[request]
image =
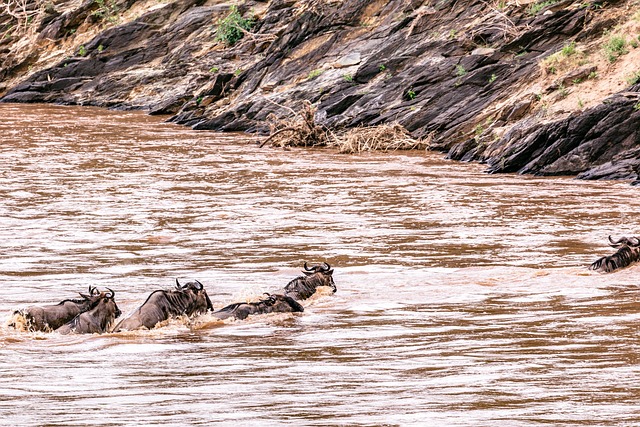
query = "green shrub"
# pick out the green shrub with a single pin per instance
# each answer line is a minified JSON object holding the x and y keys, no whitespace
{"x":634,"y":78}
{"x":537,"y":7}
{"x":232,"y":28}
{"x":411,"y":94}
{"x":615,"y":47}
{"x":315,"y":73}
{"x":569,"y":49}
{"x":107,"y":11}
{"x":460,"y":71}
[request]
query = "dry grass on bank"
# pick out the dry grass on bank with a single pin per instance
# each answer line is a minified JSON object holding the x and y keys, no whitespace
{"x":387,"y":137}
{"x":303,"y":131}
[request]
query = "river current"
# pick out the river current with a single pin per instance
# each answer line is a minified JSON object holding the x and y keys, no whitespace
{"x":463,"y":299}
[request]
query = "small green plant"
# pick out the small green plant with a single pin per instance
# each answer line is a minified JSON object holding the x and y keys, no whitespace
{"x":633,"y":78}
{"x":107,"y":11}
{"x":501,"y":5}
{"x":214,"y":70}
{"x":633,"y":43}
{"x":82,"y":51}
{"x":563,"y":92}
{"x":315,"y":73}
{"x":237,"y":72}
{"x":569,"y":49}
{"x":453,"y":34}
{"x":637,"y":106}
{"x":199,"y":100}
{"x":348,"y":77}
{"x":411,"y":94}
{"x":382,"y":67}
{"x":492,"y":78}
{"x":100,"y":49}
{"x":593,"y":75}
{"x":566,"y":58}
{"x":576,"y":81}
{"x":615,"y":47}
{"x":478,"y":130}
{"x":460,"y":71}
{"x":232,"y":28}
{"x":535,"y":8}
{"x":580,"y":103}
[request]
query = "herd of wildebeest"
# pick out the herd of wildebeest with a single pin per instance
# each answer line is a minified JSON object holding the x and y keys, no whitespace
{"x":97,"y":311}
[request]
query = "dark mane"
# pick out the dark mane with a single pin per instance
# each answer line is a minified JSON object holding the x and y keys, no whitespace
{"x":75,"y":301}
{"x":624,"y":257}
{"x":231,"y":307}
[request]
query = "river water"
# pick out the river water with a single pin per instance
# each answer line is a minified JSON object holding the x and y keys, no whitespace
{"x":463,"y":299}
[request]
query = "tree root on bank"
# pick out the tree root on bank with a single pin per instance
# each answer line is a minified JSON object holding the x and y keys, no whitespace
{"x":303,"y":131}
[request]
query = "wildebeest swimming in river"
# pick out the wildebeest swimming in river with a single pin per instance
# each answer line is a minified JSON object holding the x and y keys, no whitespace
{"x":51,"y":317}
{"x":161,"y":305}
{"x":628,"y":253}
{"x":303,"y":287}
{"x":96,"y":320}
{"x":272,"y":304}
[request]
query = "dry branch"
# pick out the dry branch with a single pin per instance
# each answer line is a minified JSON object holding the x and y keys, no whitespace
{"x":303,"y":131}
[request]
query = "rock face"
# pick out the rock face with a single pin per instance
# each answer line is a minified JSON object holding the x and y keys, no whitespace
{"x":459,"y":73}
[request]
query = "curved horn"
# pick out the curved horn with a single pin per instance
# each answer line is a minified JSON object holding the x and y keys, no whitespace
{"x":326,"y":267}
{"x":93,"y":290}
{"x":307,"y":268}
{"x":634,"y":241}
{"x":111,"y":294}
{"x":178,"y":285}
{"x":200,"y":285}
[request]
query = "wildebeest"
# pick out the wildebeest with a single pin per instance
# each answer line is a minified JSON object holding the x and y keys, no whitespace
{"x":628,"y":253}
{"x":272,"y":304}
{"x":303,"y":287}
{"x":51,"y":317}
{"x":161,"y":305}
{"x":97,"y":319}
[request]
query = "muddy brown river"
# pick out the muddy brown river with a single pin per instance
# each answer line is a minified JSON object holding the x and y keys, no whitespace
{"x":463,"y":299}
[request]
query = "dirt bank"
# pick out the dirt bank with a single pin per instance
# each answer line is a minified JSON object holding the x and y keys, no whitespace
{"x":545,"y":88}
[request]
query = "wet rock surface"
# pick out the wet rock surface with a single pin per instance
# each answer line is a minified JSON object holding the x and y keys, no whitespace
{"x":453,"y":72}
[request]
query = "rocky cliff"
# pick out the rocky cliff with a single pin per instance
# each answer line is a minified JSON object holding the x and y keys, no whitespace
{"x":547,"y":88}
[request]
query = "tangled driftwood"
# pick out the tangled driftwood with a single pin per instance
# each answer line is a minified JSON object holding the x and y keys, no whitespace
{"x":299,"y":131}
{"x":302,"y":130}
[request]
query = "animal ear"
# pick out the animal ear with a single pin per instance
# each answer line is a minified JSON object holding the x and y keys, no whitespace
{"x":308,"y":273}
{"x":330,"y":272}
{"x":85,"y":296}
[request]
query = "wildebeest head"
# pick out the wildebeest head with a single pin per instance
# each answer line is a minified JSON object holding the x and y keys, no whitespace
{"x":628,"y":252}
{"x":303,"y":287}
{"x":97,"y":319}
{"x":202,"y":303}
{"x":51,"y":317}
{"x":272,"y":304}
{"x":628,"y":241}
